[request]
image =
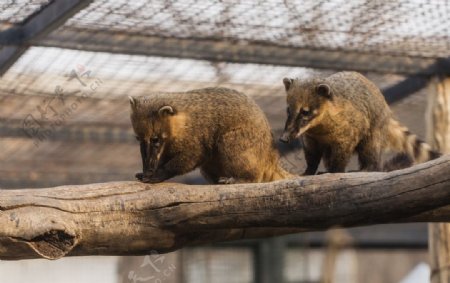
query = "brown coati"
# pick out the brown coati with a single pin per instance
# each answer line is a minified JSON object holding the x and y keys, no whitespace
{"x":220,"y":130}
{"x":345,"y":113}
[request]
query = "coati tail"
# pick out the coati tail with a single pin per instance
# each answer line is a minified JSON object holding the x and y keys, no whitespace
{"x":284,"y":174}
{"x":278,"y":173}
{"x":412,"y":149}
{"x":399,"y":161}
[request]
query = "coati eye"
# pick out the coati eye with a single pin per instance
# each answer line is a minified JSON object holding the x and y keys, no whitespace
{"x":305,"y":112}
{"x":154,"y":140}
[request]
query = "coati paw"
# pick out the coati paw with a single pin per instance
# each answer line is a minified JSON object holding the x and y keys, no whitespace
{"x":152,"y":179}
{"x":226,"y":180}
{"x":139,"y":176}
{"x":148,"y":179}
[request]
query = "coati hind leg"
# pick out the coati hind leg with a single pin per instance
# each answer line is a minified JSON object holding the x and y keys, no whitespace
{"x":213,"y":173}
{"x":211,"y":170}
{"x":313,"y":154}
{"x":369,"y":155}
{"x":337,"y":157}
{"x":211,"y":178}
{"x":241,"y":157}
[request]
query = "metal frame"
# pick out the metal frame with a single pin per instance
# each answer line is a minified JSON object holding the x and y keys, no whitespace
{"x":244,"y":52}
{"x":9,"y":55}
{"x":405,"y":88}
{"x":17,"y":38}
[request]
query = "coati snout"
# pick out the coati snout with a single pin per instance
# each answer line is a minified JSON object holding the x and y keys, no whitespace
{"x":219,"y":130}
{"x":151,"y":151}
{"x":303,"y":112}
{"x":150,"y":130}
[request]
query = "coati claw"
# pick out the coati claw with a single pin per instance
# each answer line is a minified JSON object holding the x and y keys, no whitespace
{"x":226,"y":180}
{"x":152,"y":180}
{"x":147,"y":179}
{"x":139,"y":176}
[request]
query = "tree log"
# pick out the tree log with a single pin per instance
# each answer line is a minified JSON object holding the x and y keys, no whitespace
{"x":132,"y":218}
{"x":438,"y":132}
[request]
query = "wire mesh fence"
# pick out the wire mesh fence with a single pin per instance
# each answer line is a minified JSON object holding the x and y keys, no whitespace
{"x":14,"y":12}
{"x":415,"y":28}
{"x":65,"y":112}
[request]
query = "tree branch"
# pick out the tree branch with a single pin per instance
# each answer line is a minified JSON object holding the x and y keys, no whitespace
{"x":132,"y":218}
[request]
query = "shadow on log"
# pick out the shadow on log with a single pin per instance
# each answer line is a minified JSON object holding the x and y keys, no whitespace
{"x":132,"y":218}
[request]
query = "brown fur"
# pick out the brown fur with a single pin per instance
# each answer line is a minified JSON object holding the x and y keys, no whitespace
{"x":346,"y":113}
{"x":219,"y":130}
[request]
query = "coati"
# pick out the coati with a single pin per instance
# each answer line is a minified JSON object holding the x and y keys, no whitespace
{"x":220,"y":130}
{"x":345,"y":113}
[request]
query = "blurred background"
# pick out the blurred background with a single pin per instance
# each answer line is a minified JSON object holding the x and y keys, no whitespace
{"x":67,"y":67}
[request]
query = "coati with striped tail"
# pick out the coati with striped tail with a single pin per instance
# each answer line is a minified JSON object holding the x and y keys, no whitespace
{"x":220,"y":130}
{"x":345,"y":113}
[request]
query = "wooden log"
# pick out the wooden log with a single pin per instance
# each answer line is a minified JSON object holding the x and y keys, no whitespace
{"x":439,"y":137}
{"x":132,"y":218}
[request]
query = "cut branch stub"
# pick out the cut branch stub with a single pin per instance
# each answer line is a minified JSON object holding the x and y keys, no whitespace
{"x":53,"y":244}
{"x":42,"y":229}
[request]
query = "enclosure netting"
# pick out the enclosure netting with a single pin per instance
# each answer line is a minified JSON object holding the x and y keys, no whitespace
{"x":413,"y":28}
{"x":95,"y":143}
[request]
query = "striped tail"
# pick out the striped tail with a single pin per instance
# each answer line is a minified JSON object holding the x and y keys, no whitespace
{"x":412,"y":150}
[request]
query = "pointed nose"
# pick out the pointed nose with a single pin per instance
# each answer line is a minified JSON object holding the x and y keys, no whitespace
{"x":285,"y":137}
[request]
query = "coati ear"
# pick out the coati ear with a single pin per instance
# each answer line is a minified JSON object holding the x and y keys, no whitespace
{"x":166,"y":110}
{"x":324,"y":90}
{"x":287,"y":83}
{"x":133,"y":102}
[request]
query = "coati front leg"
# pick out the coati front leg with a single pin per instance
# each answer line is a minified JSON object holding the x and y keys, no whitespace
{"x":240,"y":158}
{"x":313,"y":154}
{"x":180,"y":164}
